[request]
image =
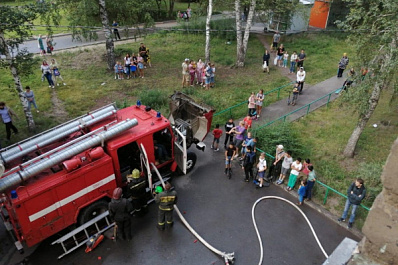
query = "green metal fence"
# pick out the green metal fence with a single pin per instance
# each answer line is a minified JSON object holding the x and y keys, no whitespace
{"x":230,"y":109}
{"x":328,"y":188}
{"x":307,"y":107}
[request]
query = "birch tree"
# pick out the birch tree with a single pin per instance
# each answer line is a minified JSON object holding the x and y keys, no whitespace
{"x":109,"y":45}
{"x":374,"y":30}
{"x":242,"y":37}
{"x":208,"y":19}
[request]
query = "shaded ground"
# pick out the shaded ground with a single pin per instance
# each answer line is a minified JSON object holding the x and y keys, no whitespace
{"x":220,"y":211}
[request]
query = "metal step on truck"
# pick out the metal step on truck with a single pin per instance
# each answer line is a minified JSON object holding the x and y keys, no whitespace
{"x":65,"y":176}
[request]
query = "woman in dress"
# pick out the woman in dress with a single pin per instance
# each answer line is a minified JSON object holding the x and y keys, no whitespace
{"x":199,"y":70}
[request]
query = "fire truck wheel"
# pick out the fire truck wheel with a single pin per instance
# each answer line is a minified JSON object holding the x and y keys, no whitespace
{"x":191,"y":161}
{"x":92,"y":211}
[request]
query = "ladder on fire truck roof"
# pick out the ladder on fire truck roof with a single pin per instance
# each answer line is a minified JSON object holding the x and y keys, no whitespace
{"x":84,"y":228}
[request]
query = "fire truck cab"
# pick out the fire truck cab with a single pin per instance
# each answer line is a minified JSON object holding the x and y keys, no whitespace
{"x":66,"y":175}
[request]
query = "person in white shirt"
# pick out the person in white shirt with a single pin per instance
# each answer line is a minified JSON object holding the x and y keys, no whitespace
{"x":262,"y":167}
{"x":300,"y":79}
{"x":296,"y":168}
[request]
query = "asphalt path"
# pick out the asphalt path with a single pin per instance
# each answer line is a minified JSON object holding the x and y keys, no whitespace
{"x":219,"y":209}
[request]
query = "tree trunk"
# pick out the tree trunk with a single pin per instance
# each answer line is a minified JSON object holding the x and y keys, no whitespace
{"x":208,"y":18}
{"x":18,"y":86}
{"x":242,"y":49}
{"x":239,"y":46}
{"x":373,"y":101}
{"x":110,"y":48}
{"x":386,"y":67}
{"x":171,"y":8}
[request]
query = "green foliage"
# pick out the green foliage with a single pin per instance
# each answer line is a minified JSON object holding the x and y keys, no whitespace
{"x":281,"y":133}
{"x":155,"y":98}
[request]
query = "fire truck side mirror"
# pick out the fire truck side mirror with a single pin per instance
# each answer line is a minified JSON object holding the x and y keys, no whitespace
{"x":201,"y":146}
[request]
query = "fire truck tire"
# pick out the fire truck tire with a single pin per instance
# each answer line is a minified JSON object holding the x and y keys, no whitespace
{"x":92,"y":211}
{"x":191,"y":161}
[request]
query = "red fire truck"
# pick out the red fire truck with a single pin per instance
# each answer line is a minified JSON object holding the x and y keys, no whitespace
{"x":66,"y":175}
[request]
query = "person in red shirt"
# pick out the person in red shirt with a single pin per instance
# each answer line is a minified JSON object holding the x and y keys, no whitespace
{"x":248,"y":122}
{"x":217,"y":132}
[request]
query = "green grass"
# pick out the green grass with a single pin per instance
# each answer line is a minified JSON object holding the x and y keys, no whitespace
{"x":323,"y":53}
{"x":325,"y":133}
{"x":85,"y":70}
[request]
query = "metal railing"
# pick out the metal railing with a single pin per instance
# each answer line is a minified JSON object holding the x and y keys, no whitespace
{"x":278,"y":89}
{"x":328,"y":188}
{"x":307,"y":106}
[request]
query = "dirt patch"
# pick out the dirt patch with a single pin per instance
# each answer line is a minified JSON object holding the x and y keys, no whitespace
{"x":349,"y":164}
{"x":58,"y":108}
{"x":282,"y":70}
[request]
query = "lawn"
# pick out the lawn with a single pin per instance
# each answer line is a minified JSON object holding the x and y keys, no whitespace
{"x":325,"y":133}
{"x":85,"y":71}
{"x":323,"y":51}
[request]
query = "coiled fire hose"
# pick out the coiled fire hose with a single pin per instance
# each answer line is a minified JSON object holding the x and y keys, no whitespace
{"x":229,"y":257}
{"x":297,"y":208}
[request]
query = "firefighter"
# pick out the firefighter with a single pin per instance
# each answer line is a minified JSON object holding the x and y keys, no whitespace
{"x":166,"y":200}
{"x":136,"y":189}
{"x":119,"y":210}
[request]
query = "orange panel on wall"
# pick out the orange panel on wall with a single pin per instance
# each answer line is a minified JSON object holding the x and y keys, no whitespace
{"x":319,"y":14}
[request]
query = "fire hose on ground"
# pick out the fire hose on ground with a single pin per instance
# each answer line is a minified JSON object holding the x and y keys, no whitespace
{"x":229,"y":257}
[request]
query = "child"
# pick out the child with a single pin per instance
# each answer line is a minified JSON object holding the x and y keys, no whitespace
{"x":217,"y":132}
{"x":120,"y":70}
{"x":251,"y":104}
{"x":285,"y":58}
{"x":248,"y":163}
{"x":286,"y":164}
{"x":295,"y":94}
{"x":229,"y":136}
{"x":248,"y":122}
{"x":213,"y":69}
{"x":262,"y":167}
{"x":259,"y":102}
{"x":247,"y":142}
{"x":296,"y":168}
{"x":229,"y":156}
{"x":302,"y":191}
{"x":116,"y":68}
{"x":133,"y":69}
{"x":310,"y":182}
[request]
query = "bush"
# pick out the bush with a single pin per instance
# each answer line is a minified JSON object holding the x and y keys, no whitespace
{"x":284,"y":134}
{"x":156,"y":99}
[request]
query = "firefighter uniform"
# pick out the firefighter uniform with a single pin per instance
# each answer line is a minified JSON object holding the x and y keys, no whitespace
{"x":166,"y":200}
{"x":119,"y":210}
{"x":137,"y":191}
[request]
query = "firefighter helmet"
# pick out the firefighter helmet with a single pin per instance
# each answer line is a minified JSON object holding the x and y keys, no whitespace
{"x":158,"y":189}
{"x":117,"y":193}
{"x":136,"y":174}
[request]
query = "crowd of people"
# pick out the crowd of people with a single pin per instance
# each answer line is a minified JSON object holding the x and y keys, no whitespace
{"x":200,"y":72}
{"x":133,"y":65}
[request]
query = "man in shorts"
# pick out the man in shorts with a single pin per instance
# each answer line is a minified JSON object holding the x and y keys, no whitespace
{"x":229,"y":156}
{"x":287,"y":162}
{"x":239,"y":131}
{"x":275,"y":40}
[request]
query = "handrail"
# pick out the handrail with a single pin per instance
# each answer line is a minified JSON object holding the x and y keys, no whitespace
{"x":308,"y":105}
{"x":322,"y":184}
{"x":265,"y":94}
